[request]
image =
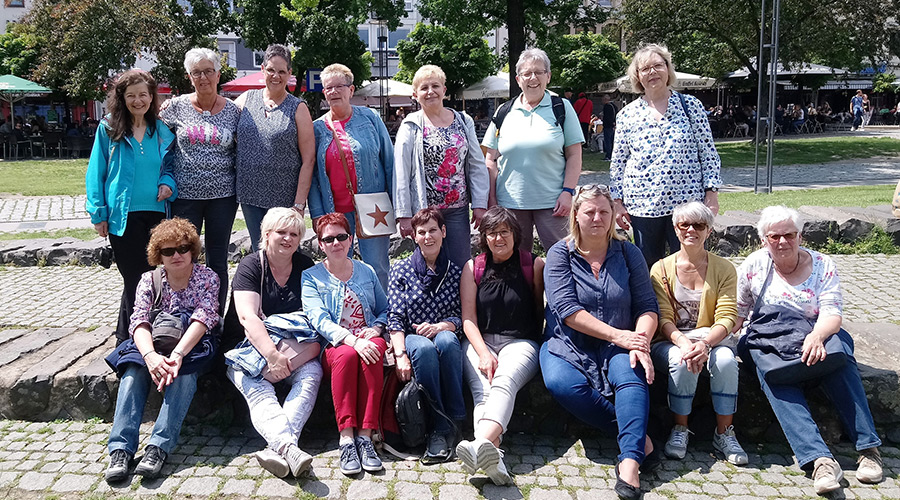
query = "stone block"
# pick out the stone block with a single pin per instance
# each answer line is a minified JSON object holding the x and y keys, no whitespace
{"x":855,"y":229}
{"x":33,"y":341}
{"x":239,"y":246}
{"x":893,"y":228}
{"x":818,"y":231}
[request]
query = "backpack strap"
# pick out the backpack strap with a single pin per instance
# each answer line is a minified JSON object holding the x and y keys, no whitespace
{"x":480,"y":260}
{"x":156,"y":287}
{"x":500,"y":115}
{"x":559,"y":111}
{"x":526,"y":261}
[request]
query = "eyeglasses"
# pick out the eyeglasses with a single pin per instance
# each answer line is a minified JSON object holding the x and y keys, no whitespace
{"x":658,"y":67}
{"x":529,"y":74}
{"x":698,"y":226}
{"x":775,"y":238}
{"x":503,"y":233}
{"x":170,"y":251}
{"x":334,"y":88}
{"x":602,"y":188}
{"x":339,"y":237}
{"x":273,"y":72}
{"x":208,"y":73}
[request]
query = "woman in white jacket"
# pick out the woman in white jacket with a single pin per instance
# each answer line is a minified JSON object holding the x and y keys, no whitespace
{"x":438,"y":163}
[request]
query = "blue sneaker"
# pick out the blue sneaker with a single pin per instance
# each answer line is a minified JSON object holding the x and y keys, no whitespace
{"x":350,"y":460}
{"x":367,"y":454}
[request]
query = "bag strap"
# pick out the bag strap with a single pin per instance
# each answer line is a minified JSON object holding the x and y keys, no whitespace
{"x":478,"y":270}
{"x":691,"y":124}
{"x":340,"y":149}
{"x":762,"y":291}
{"x":559,"y":111}
{"x":156,"y":287}
{"x":672,"y":300}
{"x":500,"y":115}
{"x":412,"y":380}
{"x":262,"y":277}
{"x":526,"y":262}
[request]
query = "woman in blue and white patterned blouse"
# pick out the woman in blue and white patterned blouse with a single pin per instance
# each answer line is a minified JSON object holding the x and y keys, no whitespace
{"x":663,"y":155}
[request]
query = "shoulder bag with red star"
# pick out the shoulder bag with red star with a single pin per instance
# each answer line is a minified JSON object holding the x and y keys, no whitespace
{"x":374,"y":212}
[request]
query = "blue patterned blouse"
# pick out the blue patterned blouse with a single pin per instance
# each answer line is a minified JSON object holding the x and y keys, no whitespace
{"x":410,"y":302}
{"x":658,"y":165}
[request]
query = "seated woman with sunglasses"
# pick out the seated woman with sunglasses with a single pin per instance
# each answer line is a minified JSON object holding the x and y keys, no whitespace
{"x":344,"y":301}
{"x":601,"y":315}
{"x":188,"y":291}
{"x":696,"y":293}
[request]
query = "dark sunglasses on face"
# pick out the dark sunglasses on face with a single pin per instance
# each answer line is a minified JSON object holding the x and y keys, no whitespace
{"x":339,"y":237}
{"x":170,"y":251}
{"x":698,"y":226}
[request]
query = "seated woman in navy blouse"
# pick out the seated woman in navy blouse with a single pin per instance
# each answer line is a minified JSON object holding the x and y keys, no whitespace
{"x":602,"y":315}
{"x":424,"y":319}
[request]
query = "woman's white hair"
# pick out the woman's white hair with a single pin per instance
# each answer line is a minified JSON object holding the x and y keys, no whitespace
{"x":774,"y":215}
{"x":693,"y":211}
{"x":198,"y":54}
{"x":533,"y":54}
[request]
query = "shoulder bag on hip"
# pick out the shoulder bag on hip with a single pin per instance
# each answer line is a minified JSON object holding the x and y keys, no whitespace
{"x":166,"y":329}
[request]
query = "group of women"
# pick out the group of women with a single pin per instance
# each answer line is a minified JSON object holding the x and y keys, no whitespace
{"x":443,"y":316}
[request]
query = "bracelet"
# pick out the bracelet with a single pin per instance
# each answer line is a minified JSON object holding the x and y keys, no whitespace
{"x":569,"y":190}
{"x":179,"y":353}
{"x":401,"y":354}
{"x":144,"y":356}
{"x":708,"y":346}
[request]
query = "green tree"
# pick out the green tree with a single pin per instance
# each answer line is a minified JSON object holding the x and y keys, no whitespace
{"x":584,"y":60}
{"x":540,"y":20}
{"x":839,"y":33}
{"x":464,"y":56}
{"x":884,"y":82}
{"x":19,"y":51}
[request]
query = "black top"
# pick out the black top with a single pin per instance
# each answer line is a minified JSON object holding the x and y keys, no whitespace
{"x":505,"y":302}
{"x":275,"y":299}
{"x":609,"y":115}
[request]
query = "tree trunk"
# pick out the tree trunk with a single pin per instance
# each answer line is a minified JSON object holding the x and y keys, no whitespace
{"x":515,"y":24}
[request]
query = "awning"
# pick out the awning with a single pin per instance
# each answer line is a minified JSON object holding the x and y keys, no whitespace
{"x":253,"y":81}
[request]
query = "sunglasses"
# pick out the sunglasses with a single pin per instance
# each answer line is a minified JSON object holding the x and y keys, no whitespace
{"x":775,"y":238}
{"x":339,"y":237}
{"x":170,"y":251}
{"x":698,"y":226}
{"x":603,"y":188}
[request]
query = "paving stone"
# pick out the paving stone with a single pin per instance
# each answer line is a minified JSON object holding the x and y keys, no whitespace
{"x":455,"y":477}
{"x":428,"y":477}
{"x":451,"y":492}
{"x":323,"y":489}
{"x":544,"y":494}
{"x":574,"y":482}
{"x":74,"y":482}
{"x":412,"y":491}
{"x":36,"y":481}
{"x":407,"y":475}
{"x":494,"y":492}
{"x":243,"y":487}
{"x":159,"y":486}
{"x":7,"y":477}
{"x":596,"y":494}
{"x":198,"y":486}
{"x":366,"y":490}
{"x":547,"y":481}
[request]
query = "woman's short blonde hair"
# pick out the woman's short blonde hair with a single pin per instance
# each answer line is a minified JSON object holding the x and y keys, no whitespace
{"x":280,"y":217}
{"x":590,"y":192}
{"x":172,"y":232}
{"x":640,"y":60}
{"x":337,"y":69}
{"x":198,"y":54}
{"x":429,"y":71}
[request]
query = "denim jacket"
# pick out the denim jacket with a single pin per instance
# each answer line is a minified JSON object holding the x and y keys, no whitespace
{"x":323,"y":299}
{"x":279,"y":326}
{"x":410,"y":193}
{"x":110,"y":176}
{"x":373,"y":157}
{"x":620,"y":295}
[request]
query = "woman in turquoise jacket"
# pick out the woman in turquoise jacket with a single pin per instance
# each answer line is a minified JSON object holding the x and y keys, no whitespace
{"x":129,"y":180}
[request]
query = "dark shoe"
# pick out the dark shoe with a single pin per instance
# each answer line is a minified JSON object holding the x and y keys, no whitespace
{"x":367,"y":455}
{"x":437,"y":450}
{"x":625,"y":490}
{"x":152,"y":463}
{"x":117,"y":471}
{"x":653,"y":460}
{"x":350,"y":460}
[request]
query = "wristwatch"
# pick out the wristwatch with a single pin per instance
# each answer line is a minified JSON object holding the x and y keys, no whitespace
{"x":400,"y":354}
{"x":713,"y":189}
{"x":569,"y":190}
{"x":300,"y":206}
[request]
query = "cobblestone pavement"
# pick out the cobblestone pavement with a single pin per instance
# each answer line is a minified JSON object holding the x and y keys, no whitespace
{"x":67,"y":460}
{"x":64,"y":296}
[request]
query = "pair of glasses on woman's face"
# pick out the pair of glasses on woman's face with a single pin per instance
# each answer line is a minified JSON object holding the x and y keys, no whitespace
{"x":339,"y":237}
{"x":170,"y":251}
{"x":698,"y":226}
{"x":775,"y":238}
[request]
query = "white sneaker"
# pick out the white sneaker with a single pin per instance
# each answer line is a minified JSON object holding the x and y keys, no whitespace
{"x":474,"y":453}
{"x":727,"y":444}
{"x":492,"y":460}
{"x":869,"y":466}
{"x":297,"y":459}
{"x":827,"y":475}
{"x":273,"y":462}
{"x":676,"y":446}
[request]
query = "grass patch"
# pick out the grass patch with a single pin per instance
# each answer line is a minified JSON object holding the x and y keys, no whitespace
{"x":43,"y":177}
{"x":787,"y":151}
{"x":86,"y":234}
{"x":853,"y":196}
{"x":878,"y":241}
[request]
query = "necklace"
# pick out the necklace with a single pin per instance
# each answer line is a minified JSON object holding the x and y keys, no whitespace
{"x":795,"y":266}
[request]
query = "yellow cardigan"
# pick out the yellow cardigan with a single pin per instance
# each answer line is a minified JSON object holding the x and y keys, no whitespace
{"x":718,"y":304}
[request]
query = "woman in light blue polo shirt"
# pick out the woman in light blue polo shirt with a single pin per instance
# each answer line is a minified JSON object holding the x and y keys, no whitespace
{"x":533,"y":160}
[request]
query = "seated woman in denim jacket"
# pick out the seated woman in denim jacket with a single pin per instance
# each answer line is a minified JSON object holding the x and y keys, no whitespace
{"x":807,"y":281}
{"x":424,"y":320}
{"x":267,"y":283}
{"x":189,"y":291}
{"x":601,"y":316}
{"x":344,"y":301}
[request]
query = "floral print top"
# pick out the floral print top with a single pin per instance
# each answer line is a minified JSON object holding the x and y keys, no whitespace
{"x":658,"y":165}
{"x":820,"y":294}
{"x":199,"y":299}
{"x":445,"y":174}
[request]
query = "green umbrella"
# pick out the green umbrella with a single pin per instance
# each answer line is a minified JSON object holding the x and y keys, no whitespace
{"x":13,"y":88}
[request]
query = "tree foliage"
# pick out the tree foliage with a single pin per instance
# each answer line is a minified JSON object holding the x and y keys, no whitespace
{"x":884,"y":82}
{"x":839,"y":33}
{"x":584,"y":60}
{"x":464,"y":56}
{"x":19,"y":51}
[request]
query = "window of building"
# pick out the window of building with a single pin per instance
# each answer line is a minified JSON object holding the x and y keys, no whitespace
{"x":364,"y":36}
{"x":258,"y":57}
{"x":14,"y":3}
{"x":396,"y":36}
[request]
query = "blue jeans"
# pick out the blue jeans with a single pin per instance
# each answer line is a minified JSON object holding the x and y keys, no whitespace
{"x":651,"y":235}
{"x":437,"y":365}
{"x":373,"y":251}
{"x":857,"y":118}
{"x":133,"y":390}
{"x":844,"y":388}
{"x":218,"y":215}
{"x":723,"y":378}
{"x":253,"y":216}
{"x":627,"y":417}
{"x":459,"y":235}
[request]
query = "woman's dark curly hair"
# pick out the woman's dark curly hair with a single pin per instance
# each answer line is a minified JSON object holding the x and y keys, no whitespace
{"x":120,"y":121}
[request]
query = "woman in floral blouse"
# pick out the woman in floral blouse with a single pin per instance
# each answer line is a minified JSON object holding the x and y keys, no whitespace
{"x":663,"y":155}
{"x":438,"y":163}
{"x":424,"y":321}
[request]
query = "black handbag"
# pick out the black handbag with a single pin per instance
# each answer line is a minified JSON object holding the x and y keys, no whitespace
{"x":166,"y":328}
{"x":412,"y":417}
{"x":774,"y":339}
